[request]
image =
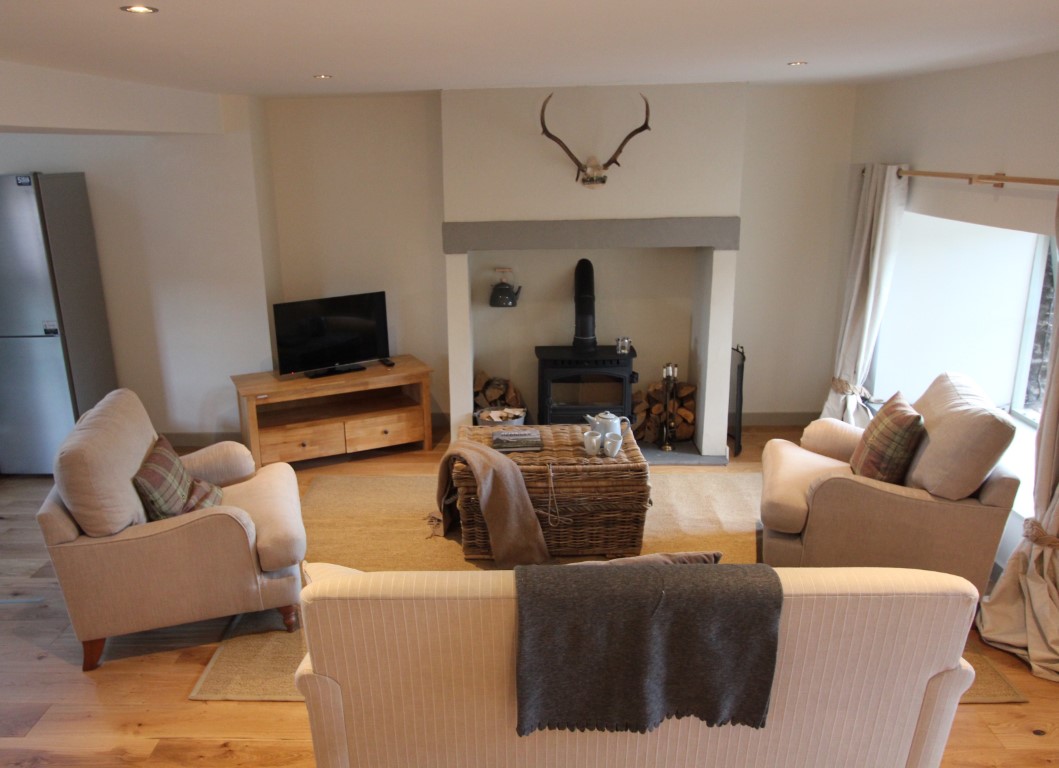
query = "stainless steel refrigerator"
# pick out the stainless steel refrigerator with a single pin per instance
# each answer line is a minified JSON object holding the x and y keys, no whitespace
{"x":56,"y":360}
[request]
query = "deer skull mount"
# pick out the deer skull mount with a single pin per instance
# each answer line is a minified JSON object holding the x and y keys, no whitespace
{"x":591,"y":173}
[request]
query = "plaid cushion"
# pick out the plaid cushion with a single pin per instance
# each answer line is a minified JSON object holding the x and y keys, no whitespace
{"x":166,"y":488}
{"x":889,"y":442}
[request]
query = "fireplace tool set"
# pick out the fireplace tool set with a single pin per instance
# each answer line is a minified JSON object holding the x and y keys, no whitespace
{"x":669,"y":383}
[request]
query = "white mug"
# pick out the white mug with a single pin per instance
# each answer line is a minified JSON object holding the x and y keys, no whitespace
{"x":592,"y":442}
{"x":612,"y":444}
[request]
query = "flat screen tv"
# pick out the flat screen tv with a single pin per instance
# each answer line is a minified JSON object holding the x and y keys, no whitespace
{"x":331,"y":335}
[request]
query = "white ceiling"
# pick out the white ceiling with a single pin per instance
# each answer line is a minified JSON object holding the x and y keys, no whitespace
{"x":274,"y":47}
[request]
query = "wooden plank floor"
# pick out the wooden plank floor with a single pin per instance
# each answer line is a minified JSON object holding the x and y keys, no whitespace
{"x":134,"y":709}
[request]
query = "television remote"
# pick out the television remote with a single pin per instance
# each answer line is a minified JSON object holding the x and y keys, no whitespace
{"x":387,"y":362}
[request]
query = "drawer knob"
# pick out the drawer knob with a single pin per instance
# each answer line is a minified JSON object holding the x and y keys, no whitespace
{"x":386,"y":431}
{"x":304,"y":444}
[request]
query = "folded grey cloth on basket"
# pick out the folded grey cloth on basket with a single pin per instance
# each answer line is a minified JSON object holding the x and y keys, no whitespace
{"x":622,"y":649}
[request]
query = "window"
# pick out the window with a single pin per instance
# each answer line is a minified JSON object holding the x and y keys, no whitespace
{"x":957,"y":303}
{"x":1032,"y":371}
{"x":978,"y":300}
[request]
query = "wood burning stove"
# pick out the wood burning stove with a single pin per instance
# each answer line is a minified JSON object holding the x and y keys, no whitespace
{"x":573,"y":383}
{"x":584,"y":378}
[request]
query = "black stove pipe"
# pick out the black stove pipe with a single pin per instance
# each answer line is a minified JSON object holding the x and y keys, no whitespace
{"x":584,"y":306}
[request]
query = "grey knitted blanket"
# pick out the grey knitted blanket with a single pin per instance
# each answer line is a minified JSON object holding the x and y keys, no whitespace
{"x":622,"y":649}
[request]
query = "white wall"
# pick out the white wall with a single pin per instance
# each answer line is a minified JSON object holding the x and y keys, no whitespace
{"x":184,"y":233}
{"x":35,"y":98}
{"x":796,"y":219}
{"x":498,"y":165}
{"x":180,"y":253}
{"x":357,"y":190}
{"x":191,"y":207}
{"x":988,"y":119}
{"x":957,"y":303}
{"x":776,"y":156}
{"x":247,"y":115}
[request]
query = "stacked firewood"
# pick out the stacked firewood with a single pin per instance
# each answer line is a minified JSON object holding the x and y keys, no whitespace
{"x":649,"y":412}
{"x":492,"y":392}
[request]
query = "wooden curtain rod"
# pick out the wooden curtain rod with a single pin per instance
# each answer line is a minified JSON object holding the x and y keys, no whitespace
{"x":998,"y":180}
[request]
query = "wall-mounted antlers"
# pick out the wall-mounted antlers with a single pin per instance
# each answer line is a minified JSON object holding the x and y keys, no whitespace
{"x":591,"y":172}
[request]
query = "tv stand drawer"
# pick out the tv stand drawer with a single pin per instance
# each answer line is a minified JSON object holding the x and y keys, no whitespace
{"x":296,"y":442}
{"x":381,"y":430}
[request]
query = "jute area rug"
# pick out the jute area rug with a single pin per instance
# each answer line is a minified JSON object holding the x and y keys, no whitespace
{"x":379,"y":524}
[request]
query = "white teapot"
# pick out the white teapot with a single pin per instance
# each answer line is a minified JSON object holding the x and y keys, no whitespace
{"x":608,"y":422}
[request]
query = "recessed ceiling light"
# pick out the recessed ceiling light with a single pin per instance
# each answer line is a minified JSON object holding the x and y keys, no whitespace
{"x":321,"y":77}
{"x":139,"y":9}
{"x":797,"y":63}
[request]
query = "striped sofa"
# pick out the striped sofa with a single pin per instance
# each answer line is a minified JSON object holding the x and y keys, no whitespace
{"x":417,"y":669}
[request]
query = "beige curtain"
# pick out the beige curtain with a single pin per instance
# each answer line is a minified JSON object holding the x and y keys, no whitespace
{"x":882,"y":202}
{"x":1021,"y":615}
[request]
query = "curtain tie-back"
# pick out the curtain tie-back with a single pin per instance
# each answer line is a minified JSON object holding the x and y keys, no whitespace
{"x":843,"y":387}
{"x":1034,"y":531}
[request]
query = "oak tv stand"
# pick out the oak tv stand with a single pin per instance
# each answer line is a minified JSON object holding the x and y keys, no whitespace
{"x":291,"y":419}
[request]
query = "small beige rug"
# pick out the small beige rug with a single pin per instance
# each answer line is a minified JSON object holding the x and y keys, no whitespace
{"x":989,"y":686}
{"x":255,"y":661}
{"x":379,"y":524}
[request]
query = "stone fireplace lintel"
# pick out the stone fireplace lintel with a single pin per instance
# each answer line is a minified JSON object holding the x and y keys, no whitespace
{"x":718,"y":232}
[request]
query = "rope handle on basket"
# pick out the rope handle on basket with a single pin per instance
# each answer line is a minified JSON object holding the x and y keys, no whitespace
{"x":551,"y":514}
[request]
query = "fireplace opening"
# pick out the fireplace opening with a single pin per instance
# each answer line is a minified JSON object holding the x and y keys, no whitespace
{"x":594,"y":390}
{"x":573,"y":383}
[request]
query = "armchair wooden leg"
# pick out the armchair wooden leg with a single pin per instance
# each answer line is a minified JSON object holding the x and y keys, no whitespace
{"x":290,"y":616}
{"x":93,"y":651}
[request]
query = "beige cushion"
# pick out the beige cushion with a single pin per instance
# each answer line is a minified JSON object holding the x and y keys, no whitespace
{"x":965,"y":437}
{"x":97,"y":461}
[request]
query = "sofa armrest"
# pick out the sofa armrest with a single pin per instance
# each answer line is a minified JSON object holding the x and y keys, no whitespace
{"x":222,"y":463}
{"x":788,"y":472}
{"x":856,"y":521}
{"x":939,"y":705}
{"x":832,"y":437}
{"x":327,"y":722}
{"x":56,"y":523}
{"x":173,"y":571}
{"x":272,"y":501}
{"x":1000,"y":488}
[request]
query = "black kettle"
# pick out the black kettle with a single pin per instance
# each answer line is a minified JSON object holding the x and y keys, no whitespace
{"x":504,"y":295}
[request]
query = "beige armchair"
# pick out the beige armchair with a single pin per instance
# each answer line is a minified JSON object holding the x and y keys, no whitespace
{"x":120,"y":573}
{"x":948,"y":515}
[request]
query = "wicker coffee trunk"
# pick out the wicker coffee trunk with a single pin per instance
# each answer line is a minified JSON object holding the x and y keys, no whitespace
{"x":586,"y":505}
